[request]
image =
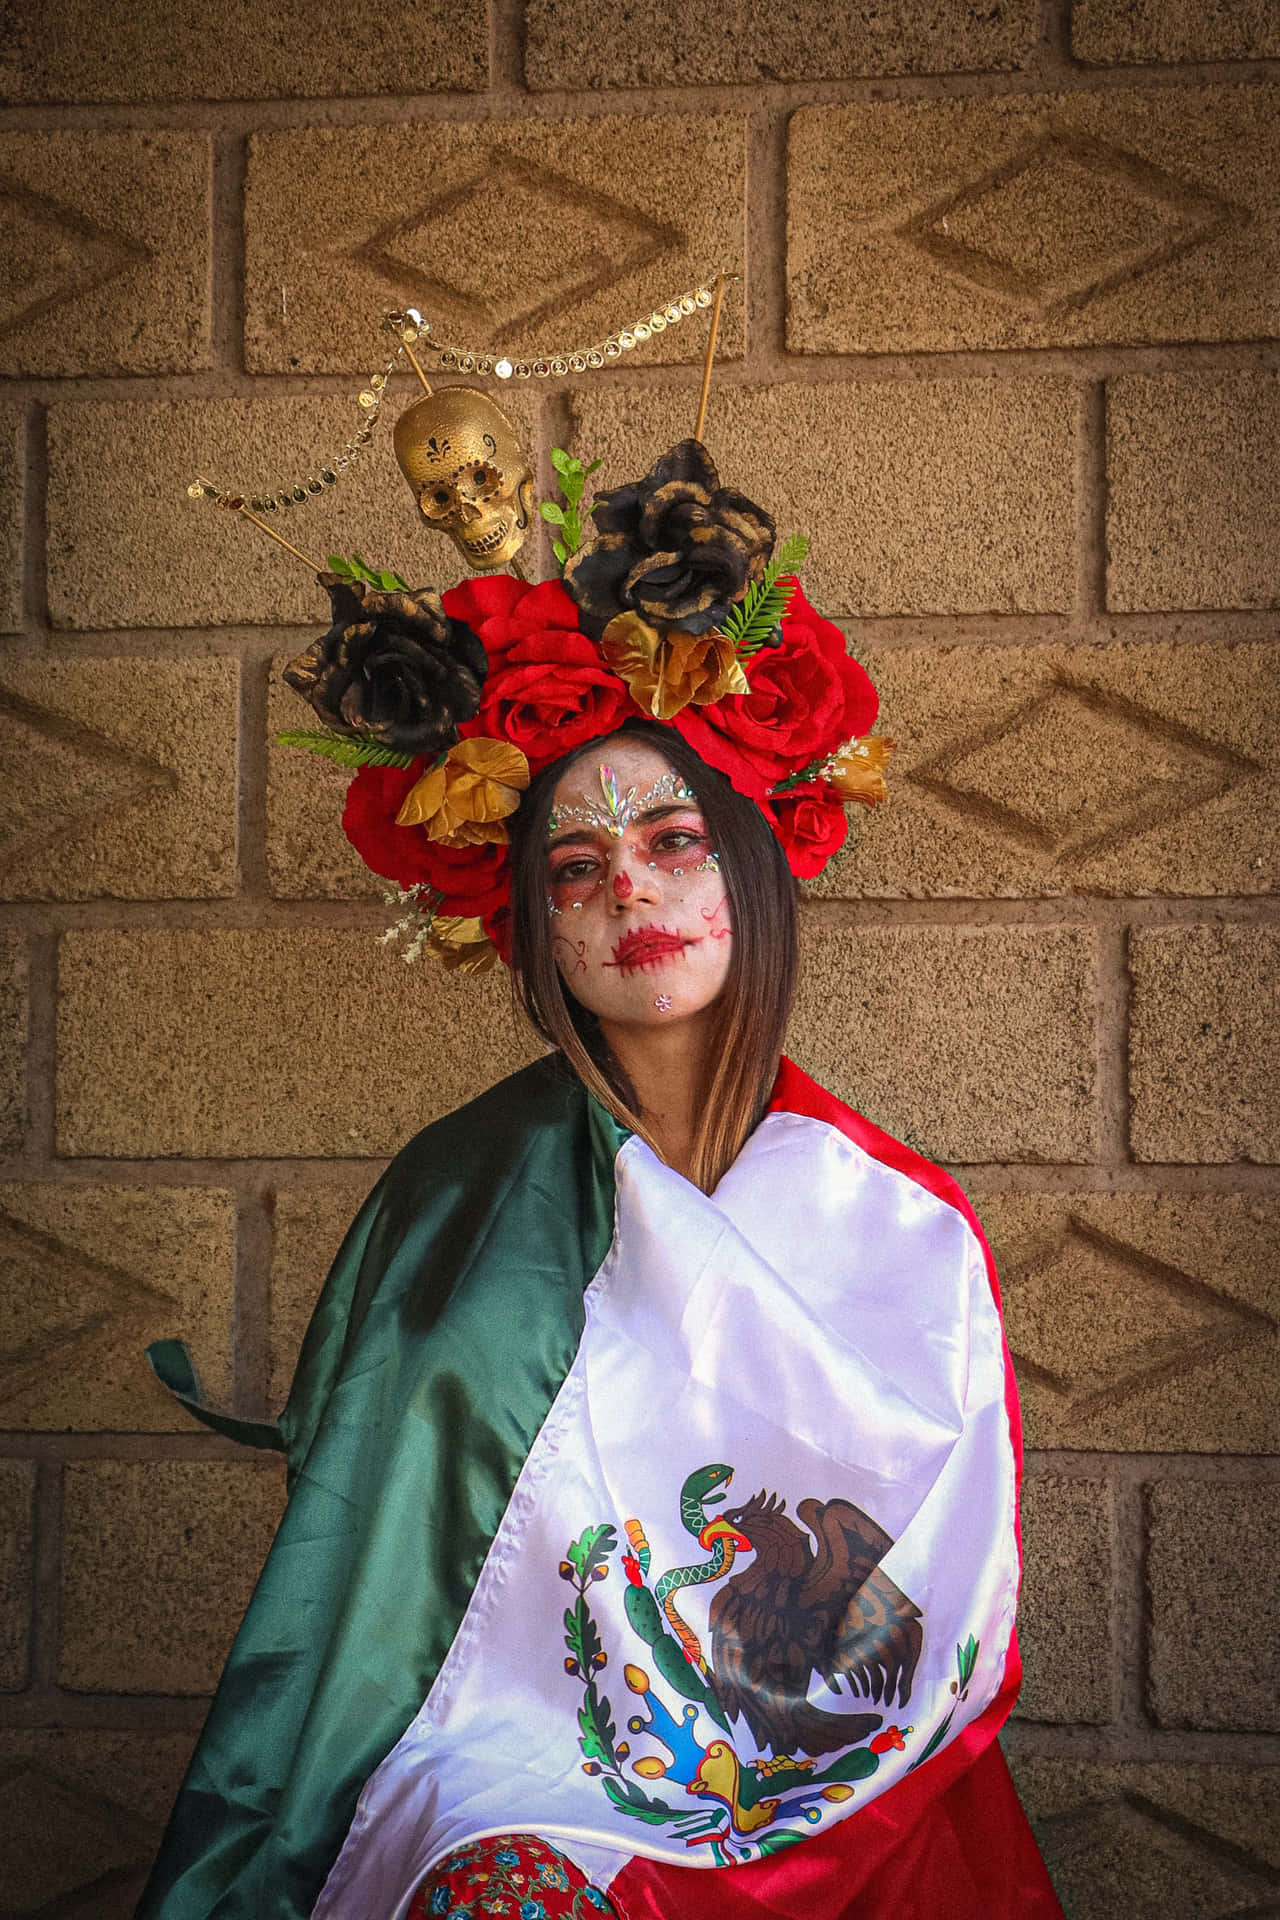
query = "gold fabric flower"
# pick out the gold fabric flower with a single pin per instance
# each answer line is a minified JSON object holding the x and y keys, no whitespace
{"x":856,"y":770}
{"x":668,"y":669}
{"x":462,"y":945}
{"x":463,"y":800}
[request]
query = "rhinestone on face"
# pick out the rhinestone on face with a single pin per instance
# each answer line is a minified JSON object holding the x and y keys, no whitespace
{"x":504,"y":369}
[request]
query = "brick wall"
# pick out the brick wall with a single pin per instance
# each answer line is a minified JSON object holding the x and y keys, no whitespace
{"x":1007,"y":347}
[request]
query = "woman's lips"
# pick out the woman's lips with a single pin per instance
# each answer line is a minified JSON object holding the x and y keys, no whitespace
{"x":646,"y":947}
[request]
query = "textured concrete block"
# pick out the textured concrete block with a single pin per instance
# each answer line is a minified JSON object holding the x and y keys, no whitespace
{"x":1064,"y":1613}
{"x":1146,"y":768}
{"x":1204,"y":1043}
{"x":1034,"y":220}
{"x":267,"y":1043}
{"x":308,"y":855}
{"x":92,"y":1275}
{"x":921,"y":496}
{"x":84,"y":1810}
{"x":1142,"y":1322}
{"x":72,"y":50}
{"x":1215,"y":1610}
{"x":121,"y":777}
{"x":578,"y":239}
{"x":695,"y":42}
{"x":13,"y":432}
{"x":106,"y":241}
{"x":1125,"y":32}
{"x":17,"y":1494}
{"x":13,"y":1043}
{"x":1192,"y":490}
{"x":127,"y":548}
{"x":1152,"y":1842}
{"x":310,"y":1225}
{"x":976,"y":1044}
{"x":160,"y":1559}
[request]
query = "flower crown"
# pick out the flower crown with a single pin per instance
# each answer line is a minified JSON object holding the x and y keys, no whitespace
{"x":679,"y":613}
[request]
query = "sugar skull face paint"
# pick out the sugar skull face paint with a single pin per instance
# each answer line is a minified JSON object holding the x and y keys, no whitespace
{"x":630,"y":856}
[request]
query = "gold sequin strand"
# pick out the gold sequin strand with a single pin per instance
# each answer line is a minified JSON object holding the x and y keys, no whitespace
{"x":412,"y":330}
{"x":505,"y":366}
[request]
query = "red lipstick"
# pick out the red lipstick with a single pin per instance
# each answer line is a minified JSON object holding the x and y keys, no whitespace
{"x":646,"y":947}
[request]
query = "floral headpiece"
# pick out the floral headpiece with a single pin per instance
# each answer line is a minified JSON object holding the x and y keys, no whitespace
{"x":448,"y":705}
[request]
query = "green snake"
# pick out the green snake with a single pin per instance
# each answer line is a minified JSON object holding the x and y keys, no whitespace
{"x":717,"y":1537}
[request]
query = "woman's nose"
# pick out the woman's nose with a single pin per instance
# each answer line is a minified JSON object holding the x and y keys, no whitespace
{"x":631,"y":879}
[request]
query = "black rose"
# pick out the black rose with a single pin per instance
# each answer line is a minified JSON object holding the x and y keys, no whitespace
{"x":394,"y":666}
{"x":676,"y":547}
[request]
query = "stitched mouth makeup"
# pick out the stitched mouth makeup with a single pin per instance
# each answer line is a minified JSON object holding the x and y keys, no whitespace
{"x":647,"y":948}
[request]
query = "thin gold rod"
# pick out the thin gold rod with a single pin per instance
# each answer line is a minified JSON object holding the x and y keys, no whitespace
{"x":711,"y":354}
{"x":271,"y":532}
{"x":413,"y":362}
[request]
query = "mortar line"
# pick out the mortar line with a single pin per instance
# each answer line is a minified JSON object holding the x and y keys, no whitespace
{"x":938,"y":366}
{"x":34,"y":589}
{"x":40,"y":1141}
{"x":507,"y":84}
{"x":1113,"y":1045}
{"x":251,"y":1339}
{"x":765,"y":256}
{"x":228,"y":177}
{"x":1091,"y":504}
{"x":46,"y":1596}
{"x":1128,"y":1600}
{"x":251,"y":784}
{"x":1060,"y":62}
{"x":247,"y":115}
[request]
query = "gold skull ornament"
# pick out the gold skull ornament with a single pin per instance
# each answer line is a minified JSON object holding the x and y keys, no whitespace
{"x":469,"y":474}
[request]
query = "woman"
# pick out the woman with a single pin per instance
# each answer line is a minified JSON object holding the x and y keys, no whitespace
{"x":652,"y":1542}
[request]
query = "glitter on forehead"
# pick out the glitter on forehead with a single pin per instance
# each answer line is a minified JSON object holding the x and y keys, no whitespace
{"x":619,"y":810}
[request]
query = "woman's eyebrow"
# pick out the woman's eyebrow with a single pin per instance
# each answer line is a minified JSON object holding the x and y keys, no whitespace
{"x":590,"y":831}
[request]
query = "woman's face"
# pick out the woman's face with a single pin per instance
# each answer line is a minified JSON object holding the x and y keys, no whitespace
{"x":640,"y":918}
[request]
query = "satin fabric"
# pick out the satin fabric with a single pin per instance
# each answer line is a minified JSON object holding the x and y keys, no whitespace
{"x":450,"y":1319}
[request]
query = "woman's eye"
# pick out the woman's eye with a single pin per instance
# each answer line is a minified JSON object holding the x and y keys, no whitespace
{"x":575,"y":870}
{"x":677,"y":839}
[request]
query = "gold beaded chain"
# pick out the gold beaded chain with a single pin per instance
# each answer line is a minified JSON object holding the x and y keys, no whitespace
{"x":412,"y":330}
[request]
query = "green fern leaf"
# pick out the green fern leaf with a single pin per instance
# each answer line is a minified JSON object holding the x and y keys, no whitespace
{"x":756,"y":615}
{"x":344,"y":752}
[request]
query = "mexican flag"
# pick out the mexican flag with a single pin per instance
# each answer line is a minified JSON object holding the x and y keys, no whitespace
{"x":680,"y":1530}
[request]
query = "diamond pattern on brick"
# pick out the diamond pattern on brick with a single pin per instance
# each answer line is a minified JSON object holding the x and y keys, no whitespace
{"x":1075,"y":770}
{"x":1130,"y":1855}
{"x":1137,"y":1319}
{"x":93,"y":1839}
{"x":70,"y":776}
{"x":431,"y":257}
{"x":69,"y":1296}
{"x":1064,"y":219}
{"x":53,"y":254}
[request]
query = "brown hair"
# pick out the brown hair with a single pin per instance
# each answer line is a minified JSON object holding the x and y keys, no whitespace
{"x":751,"y":1012}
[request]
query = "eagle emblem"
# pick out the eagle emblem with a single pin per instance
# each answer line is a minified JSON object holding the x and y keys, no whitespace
{"x":797,"y":1601}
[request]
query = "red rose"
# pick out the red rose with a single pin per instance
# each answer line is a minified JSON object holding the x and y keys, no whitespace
{"x":498,"y":927}
{"x":374,"y":798}
{"x":551,"y":692}
{"x":807,"y":697}
{"x":501,"y":610}
{"x":811,"y":826}
{"x":475,"y":881}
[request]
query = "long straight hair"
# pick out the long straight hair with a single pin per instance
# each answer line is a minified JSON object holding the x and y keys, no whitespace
{"x":751,"y":1012}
